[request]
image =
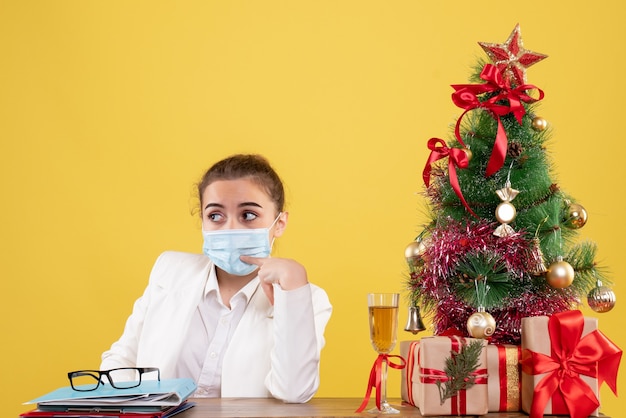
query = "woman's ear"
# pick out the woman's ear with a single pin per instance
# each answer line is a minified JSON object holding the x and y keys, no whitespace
{"x":281,"y":224}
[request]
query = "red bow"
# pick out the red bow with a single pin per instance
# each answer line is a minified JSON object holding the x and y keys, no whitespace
{"x":466,"y":97}
{"x":451,"y":332}
{"x":375,"y":378}
{"x":594,"y":355}
{"x":456,"y":158}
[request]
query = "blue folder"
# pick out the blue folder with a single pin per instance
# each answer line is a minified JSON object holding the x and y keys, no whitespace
{"x":151,"y":394}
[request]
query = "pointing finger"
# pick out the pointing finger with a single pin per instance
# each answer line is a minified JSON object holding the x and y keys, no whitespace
{"x":257,"y":261}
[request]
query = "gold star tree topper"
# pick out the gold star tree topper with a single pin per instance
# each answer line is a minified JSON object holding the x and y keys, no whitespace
{"x":511,"y":59}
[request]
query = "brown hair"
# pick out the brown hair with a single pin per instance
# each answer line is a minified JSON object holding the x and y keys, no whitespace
{"x":252,"y":166}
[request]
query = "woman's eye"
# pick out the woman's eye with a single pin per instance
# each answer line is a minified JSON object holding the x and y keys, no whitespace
{"x":249,"y":216}
{"x":215,"y":217}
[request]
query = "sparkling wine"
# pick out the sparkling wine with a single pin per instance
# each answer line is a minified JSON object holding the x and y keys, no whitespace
{"x":383,"y":327}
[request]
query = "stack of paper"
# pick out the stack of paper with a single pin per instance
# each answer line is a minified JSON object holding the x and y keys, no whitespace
{"x":151,"y":399}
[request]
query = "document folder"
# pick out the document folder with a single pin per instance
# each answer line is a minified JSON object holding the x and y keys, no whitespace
{"x":151,"y":395}
{"x":91,"y":413}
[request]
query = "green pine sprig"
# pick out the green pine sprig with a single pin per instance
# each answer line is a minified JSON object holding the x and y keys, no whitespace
{"x":459,"y":368}
{"x":490,"y":271}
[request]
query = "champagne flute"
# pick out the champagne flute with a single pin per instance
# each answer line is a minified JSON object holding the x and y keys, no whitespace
{"x":383,"y":318}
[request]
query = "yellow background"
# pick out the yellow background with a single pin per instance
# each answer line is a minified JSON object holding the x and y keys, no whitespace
{"x":111,"y":110}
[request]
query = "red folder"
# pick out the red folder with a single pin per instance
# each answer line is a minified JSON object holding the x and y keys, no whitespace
{"x":94,"y":413}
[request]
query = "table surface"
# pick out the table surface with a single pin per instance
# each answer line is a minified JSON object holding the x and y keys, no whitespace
{"x":316,"y":407}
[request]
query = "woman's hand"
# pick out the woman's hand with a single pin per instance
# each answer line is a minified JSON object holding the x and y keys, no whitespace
{"x":285,"y":272}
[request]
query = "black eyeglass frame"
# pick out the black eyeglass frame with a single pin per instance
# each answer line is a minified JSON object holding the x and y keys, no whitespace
{"x":99,"y":374}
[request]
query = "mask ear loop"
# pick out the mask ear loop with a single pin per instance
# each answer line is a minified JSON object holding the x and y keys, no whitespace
{"x":268,"y":230}
{"x":275,"y":220}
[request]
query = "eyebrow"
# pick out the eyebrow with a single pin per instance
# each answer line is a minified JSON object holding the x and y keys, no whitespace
{"x":241,"y":205}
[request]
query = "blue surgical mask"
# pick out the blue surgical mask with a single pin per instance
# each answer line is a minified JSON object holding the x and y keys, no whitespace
{"x":225,"y":246}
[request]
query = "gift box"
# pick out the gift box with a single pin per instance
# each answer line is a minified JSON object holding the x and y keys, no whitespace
{"x":408,"y":390}
{"x":505,"y":380}
{"x":425,"y":369}
{"x":565,"y":358}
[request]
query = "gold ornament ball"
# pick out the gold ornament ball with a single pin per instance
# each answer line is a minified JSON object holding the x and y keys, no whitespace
{"x":539,"y":124}
{"x":560,"y":274}
{"x":505,"y":212}
{"x":413,"y":253}
{"x":601,"y":299}
{"x":576,"y":216}
{"x":481,"y":325}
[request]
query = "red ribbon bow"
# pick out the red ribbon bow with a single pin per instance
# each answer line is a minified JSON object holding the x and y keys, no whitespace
{"x":466,"y":97}
{"x":375,"y":378}
{"x":593,"y":355}
{"x":456,"y":158}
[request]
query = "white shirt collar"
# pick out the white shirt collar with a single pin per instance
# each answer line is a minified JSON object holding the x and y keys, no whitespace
{"x":247,"y":291}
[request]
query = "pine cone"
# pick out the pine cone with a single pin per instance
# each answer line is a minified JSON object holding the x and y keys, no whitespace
{"x":515,"y":150}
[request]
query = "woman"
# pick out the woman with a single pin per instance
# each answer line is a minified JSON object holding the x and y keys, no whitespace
{"x":238,"y":322}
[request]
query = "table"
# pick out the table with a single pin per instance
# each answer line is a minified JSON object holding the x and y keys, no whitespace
{"x":316,"y":407}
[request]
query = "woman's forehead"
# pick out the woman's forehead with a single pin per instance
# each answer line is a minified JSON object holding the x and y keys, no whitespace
{"x":239,"y":190}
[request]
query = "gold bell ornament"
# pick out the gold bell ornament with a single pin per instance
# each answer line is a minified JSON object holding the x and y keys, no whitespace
{"x":414,"y":322}
{"x":537,"y":266}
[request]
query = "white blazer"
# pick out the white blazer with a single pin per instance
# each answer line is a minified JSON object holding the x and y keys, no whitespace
{"x":275,"y":350}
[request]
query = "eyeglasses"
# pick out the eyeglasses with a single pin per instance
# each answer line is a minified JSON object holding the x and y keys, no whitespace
{"x":121,"y":378}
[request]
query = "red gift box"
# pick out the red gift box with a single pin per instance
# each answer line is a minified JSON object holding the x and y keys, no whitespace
{"x":565,"y":359}
{"x":505,"y":380}
{"x":425,"y":362}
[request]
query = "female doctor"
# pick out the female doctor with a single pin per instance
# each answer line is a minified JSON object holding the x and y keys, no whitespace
{"x":235,"y":320}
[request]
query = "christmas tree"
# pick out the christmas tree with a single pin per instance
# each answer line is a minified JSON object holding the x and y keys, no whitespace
{"x":502,"y":242}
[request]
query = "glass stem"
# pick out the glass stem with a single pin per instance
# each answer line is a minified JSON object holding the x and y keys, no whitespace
{"x":383,"y":385}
